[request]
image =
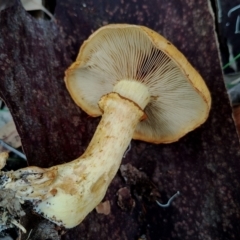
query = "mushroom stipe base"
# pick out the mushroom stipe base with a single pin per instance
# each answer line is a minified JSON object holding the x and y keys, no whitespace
{"x":66,"y":193}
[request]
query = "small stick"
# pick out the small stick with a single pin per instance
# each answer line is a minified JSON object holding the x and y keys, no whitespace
{"x":29,"y":235}
{"x":12,"y":149}
{"x":128,"y":149}
{"x":18,"y":225}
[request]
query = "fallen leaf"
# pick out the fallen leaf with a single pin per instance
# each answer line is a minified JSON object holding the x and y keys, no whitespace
{"x":5,"y":117}
{"x":31,"y":5}
{"x":3,"y":159}
{"x":9,"y":134}
{"x":104,"y":208}
{"x":125,"y":200}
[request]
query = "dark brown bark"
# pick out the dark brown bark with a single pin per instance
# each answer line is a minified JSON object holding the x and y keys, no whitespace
{"x":204,"y":165}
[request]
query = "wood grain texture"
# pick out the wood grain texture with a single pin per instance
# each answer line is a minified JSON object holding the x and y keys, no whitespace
{"x":204,"y":165}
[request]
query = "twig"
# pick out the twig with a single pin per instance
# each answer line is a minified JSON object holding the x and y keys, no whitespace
{"x":128,"y":149}
{"x":30,"y":232}
{"x":12,"y":149}
{"x":18,"y":225}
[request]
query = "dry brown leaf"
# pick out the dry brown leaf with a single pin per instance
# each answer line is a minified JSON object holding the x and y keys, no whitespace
{"x":104,"y":208}
{"x":3,"y":159}
{"x":9,"y":134}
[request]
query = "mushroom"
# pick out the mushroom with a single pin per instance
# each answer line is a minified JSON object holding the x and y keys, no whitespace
{"x":120,"y":58}
{"x":143,"y":88}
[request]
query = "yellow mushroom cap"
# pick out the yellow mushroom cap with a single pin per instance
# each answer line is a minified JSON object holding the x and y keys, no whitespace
{"x":179,"y":98}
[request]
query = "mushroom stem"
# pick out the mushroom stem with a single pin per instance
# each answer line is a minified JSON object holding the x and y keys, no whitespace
{"x":80,"y":185}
